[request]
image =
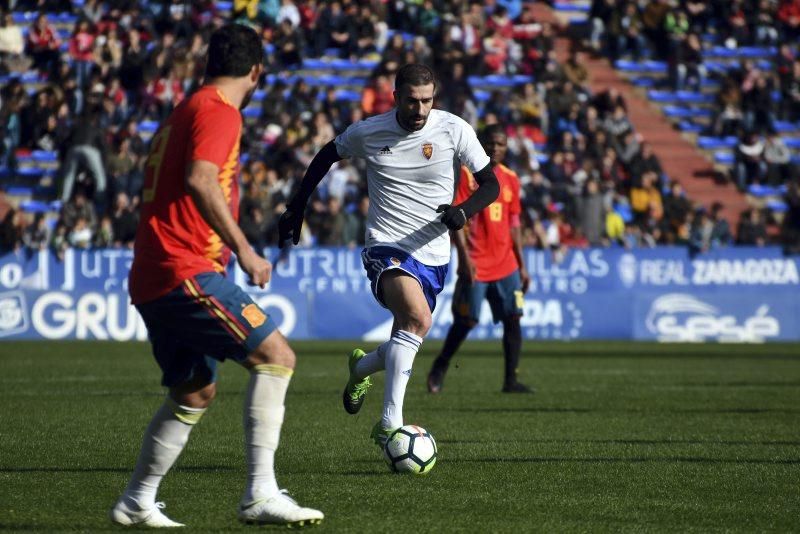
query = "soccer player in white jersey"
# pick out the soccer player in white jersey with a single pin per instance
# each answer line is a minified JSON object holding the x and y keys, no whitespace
{"x":412,"y":153}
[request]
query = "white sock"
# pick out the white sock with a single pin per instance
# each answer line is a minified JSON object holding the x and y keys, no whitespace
{"x":372,"y":362}
{"x":263,"y":417}
{"x":400,"y":352}
{"x":164,"y":439}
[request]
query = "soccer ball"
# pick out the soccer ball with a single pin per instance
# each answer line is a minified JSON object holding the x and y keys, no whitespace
{"x":410,"y":449}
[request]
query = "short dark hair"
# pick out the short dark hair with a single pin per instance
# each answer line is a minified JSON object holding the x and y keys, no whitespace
{"x":233,"y":50}
{"x":488,"y":131}
{"x":414,"y":74}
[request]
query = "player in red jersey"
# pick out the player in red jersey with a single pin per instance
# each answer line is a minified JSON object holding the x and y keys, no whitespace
{"x":194,"y":315}
{"x":490,"y":266}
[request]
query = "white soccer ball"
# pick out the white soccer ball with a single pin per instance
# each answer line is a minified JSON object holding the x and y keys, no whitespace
{"x":410,"y":449}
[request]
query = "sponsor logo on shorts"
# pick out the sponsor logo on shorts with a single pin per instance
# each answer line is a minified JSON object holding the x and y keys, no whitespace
{"x":254,"y":315}
{"x":395,"y":261}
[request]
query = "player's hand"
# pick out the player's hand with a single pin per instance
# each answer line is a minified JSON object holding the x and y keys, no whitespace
{"x":289,"y":226}
{"x":454,"y":217}
{"x":525,"y":278}
{"x":466,"y":270}
{"x":257,"y":268}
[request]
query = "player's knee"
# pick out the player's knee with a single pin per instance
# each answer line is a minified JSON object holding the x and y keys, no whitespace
{"x":467,"y":323}
{"x":418,"y":322}
{"x":273,"y":352}
{"x":193,"y":400}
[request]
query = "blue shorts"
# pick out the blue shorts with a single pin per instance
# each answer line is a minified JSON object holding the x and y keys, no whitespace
{"x":204,"y":320}
{"x":505,"y":298}
{"x":378,"y":260}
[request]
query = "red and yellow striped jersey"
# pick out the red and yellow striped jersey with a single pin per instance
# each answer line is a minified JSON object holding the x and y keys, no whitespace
{"x":173,"y":241}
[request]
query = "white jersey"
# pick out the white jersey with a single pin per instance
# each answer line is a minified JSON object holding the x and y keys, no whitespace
{"x":409,"y":175}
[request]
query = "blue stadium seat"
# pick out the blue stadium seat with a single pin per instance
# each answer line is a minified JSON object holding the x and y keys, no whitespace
{"x":19,"y":191}
{"x":348,"y":96}
{"x":724,"y":158}
{"x":34,"y":206}
{"x":644,"y":81}
{"x":148,"y":126}
{"x":32,"y":173}
{"x":678,"y":112}
{"x":760,"y":191}
{"x":691,"y":97}
{"x":67,"y":18}
{"x":661,"y":97}
{"x":792,"y":142}
{"x":251,"y":113}
{"x":624,"y":211}
{"x":313,"y":63}
{"x":714,"y":143}
{"x":720,"y":51}
{"x":784,"y":126}
{"x":45,"y":156}
{"x":259,"y":95}
{"x":756,"y":51}
{"x":570,"y":6}
{"x":498,"y":80}
{"x":777,"y":206}
{"x":542,"y":158}
{"x":690,"y":127}
{"x":225,"y":5}
{"x":481,"y":96}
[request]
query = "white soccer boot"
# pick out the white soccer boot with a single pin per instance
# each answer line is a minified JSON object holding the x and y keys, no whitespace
{"x":279,"y":509}
{"x":124,"y":515}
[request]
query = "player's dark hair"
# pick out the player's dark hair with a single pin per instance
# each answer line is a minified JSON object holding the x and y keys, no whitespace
{"x":233,"y":50}
{"x":414,"y":74}
{"x":488,"y":131}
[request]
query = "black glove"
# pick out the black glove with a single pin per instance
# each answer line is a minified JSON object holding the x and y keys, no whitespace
{"x":289,"y":226}
{"x":454,"y":217}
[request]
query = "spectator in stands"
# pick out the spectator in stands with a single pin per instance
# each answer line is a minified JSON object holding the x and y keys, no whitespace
{"x":43,"y":44}
{"x":789,"y":17}
{"x":104,"y":237}
{"x":81,"y":50}
{"x":590,"y":211}
{"x":728,"y":112}
{"x":701,"y":232}
{"x":37,"y":235}
{"x":688,"y":63}
{"x":59,"y":242}
{"x":81,"y":235}
{"x":676,"y":207}
{"x":123,"y":222}
{"x":355,"y":226}
{"x":721,"y":231}
{"x":12,"y":43}
{"x":288,"y":43}
{"x":85,"y":147}
{"x":790,"y":93}
{"x":757,"y":103}
{"x":646,"y":201}
{"x":778,"y":159}
{"x":78,"y":207}
{"x":617,"y":125}
{"x":750,"y":166}
{"x":600,"y":14}
{"x":751,"y":230}
{"x":790,"y":231}
{"x":10,"y":129}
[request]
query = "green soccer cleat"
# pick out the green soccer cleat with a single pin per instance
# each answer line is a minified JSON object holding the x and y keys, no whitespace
{"x":381,"y":435}
{"x":356,"y":388}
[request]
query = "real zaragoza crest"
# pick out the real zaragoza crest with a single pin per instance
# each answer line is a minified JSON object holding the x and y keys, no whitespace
{"x":427,"y":150}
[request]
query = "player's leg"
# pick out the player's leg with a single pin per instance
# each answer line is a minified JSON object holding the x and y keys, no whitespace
{"x":506,"y":300}
{"x":271,"y":365}
{"x":405,"y":298}
{"x":467,"y":300}
{"x":190,"y":377}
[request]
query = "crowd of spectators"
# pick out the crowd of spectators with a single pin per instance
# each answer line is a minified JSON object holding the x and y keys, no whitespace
{"x":750,"y":94}
{"x":588,"y":179}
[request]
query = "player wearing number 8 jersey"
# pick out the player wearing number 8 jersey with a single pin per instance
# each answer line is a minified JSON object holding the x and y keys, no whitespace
{"x":490,"y":266}
{"x":194,"y":315}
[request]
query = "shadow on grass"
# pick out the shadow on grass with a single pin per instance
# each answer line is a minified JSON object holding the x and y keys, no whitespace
{"x":190,"y":469}
{"x":534,"y":409}
{"x":631,"y":460}
{"x":624,"y":442}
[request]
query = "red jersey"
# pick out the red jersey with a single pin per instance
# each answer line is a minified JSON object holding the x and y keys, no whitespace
{"x":173,"y":241}
{"x":489,"y":243}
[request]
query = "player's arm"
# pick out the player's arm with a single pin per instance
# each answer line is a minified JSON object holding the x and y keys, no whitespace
{"x":455,"y":216}
{"x":291,"y":221}
{"x":466,"y":267}
{"x":203,"y":186}
{"x":516,"y":238}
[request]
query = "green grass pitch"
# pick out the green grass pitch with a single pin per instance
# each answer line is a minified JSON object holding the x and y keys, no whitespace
{"x":619,"y":437}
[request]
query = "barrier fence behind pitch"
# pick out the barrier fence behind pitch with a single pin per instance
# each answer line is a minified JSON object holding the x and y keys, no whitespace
{"x":734,"y":294}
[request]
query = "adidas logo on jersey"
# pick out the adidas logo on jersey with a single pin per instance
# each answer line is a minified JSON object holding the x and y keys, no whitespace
{"x":385,"y":150}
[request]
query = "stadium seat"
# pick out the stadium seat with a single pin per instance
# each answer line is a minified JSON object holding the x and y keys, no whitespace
{"x":777,"y":206}
{"x":148,"y":126}
{"x":784,"y":126}
{"x":661,"y":97}
{"x":225,"y":5}
{"x":348,"y":96}
{"x":481,"y":96}
{"x":644,"y":81}
{"x":45,"y":156}
{"x":714,"y":143}
{"x":678,"y":112}
{"x":34,"y":206}
{"x":792,"y":142}
{"x":691,"y":97}
{"x":570,"y":6}
{"x":624,"y":211}
{"x":690,"y":127}
{"x":259,"y":95}
{"x":19,"y":191}
{"x":251,"y":112}
{"x":760,"y":191}
{"x":724,"y":158}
